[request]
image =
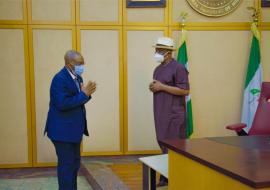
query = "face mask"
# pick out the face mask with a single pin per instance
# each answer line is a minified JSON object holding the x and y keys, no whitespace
{"x":159,"y":58}
{"x":78,"y":69}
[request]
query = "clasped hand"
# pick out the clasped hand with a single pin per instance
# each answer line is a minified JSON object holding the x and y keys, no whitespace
{"x":89,"y":88}
{"x":155,"y":86}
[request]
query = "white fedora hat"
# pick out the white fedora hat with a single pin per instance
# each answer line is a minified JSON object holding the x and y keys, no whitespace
{"x":164,"y":43}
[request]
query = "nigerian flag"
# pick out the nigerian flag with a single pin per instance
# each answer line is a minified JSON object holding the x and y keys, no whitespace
{"x":253,"y":80}
{"x":183,"y":59}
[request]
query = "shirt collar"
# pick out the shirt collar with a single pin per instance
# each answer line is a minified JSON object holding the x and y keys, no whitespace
{"x":71,"y":74}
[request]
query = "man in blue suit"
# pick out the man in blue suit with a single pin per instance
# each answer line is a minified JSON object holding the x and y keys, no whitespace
{"x":66,"y":121}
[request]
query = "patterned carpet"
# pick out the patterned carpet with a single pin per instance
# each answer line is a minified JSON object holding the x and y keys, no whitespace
{"x":37,"y":179}
{"x":43,"y":183}
{"x":96,"y":173}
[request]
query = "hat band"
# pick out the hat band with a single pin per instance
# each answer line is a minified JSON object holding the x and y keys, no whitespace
{"x":164,"y":46}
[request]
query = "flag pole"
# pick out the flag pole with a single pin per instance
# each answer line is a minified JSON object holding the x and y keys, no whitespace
{"x":182,"y":58}
{"x":253,"y":79}
{"x":183,"y":17}
{"x":255,"y":21}
{"x":255,"y":14}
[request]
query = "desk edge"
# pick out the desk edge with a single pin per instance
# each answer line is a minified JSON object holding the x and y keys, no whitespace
{"x":219,"y":169}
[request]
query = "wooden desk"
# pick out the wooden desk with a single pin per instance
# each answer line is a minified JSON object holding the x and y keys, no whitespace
{"x":240,"y":163}
{"x":151,"y":165}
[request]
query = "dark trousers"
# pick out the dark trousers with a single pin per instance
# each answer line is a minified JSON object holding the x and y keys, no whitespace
{"x":68,"y":155}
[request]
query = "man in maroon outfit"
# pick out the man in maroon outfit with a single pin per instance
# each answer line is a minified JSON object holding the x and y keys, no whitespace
{"x":169,"y":87}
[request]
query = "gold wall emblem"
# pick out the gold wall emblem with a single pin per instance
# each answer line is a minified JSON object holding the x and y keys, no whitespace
{"x":214,"y":8}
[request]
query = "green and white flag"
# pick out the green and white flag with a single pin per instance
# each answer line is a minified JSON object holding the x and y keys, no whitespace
{"x":183,"y":59}
{"x":253,"y":80}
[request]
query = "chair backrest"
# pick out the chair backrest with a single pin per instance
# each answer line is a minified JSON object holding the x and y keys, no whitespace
{"x":261,"y":122}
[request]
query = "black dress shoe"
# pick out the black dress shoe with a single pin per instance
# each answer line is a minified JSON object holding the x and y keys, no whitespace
{"x":163,"y":181}
{"x":162,"y":184}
